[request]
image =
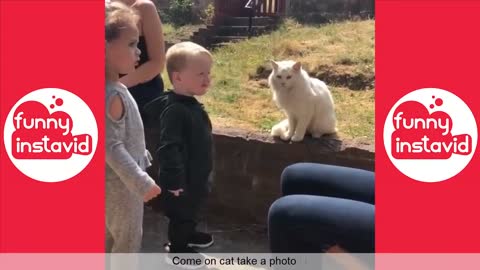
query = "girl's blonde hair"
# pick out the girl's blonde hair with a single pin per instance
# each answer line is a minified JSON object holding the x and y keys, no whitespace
{"x":118,"y":16}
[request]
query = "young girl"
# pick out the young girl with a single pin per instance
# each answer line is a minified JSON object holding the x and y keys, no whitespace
{"x":127,"y":184}
{"x":145,"y":83}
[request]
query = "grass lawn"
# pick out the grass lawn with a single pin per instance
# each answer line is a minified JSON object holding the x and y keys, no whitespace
{"x":341,"y":54}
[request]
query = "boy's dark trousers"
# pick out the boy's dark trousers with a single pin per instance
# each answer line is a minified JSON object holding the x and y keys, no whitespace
{"x":182,"y":212}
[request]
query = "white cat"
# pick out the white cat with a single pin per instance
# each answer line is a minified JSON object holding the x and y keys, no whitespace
{"x":307,"y":102}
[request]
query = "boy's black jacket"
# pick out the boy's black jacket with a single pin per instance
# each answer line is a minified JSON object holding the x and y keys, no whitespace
{"x":184,"y":150}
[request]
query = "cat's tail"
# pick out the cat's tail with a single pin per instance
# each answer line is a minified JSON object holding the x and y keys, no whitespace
{"x":279,"y":128}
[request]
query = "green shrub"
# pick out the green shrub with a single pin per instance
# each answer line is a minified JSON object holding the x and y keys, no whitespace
{"x":179,"y":12}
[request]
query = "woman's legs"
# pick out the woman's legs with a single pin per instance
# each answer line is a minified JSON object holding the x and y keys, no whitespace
{"x":306,"y":224}
{"x":328,"y":180}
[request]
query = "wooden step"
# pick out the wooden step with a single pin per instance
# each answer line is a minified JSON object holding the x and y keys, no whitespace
{"x":223,"y":39}
{"x":244,"y":21}
{"x":204,"y":31}
{"x":218,"y":45}
{"x":240,"y":30}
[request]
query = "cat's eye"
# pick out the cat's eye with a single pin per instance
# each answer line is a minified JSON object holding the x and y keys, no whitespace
{"x":279,"y":76}
{"x":289,"y":77}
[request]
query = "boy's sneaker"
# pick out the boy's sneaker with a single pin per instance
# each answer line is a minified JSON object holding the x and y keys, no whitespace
{"x":166,"y":247}
{"x":200,"y":240}
{"x":185,"y":258}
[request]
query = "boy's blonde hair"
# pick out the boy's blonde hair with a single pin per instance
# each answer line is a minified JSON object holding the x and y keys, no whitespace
{"x":177,"y":56}
{"x":118,"y":16}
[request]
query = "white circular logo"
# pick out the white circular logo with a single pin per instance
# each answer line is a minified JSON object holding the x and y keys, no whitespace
{"x":430,"y":135}
{"x":50,"y":135}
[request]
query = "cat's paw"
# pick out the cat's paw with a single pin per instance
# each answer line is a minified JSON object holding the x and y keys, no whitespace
{"x":317,"y":135}
{"x":278,"y":130}
{"x":285,"y":136}
{"x":297,"y":138}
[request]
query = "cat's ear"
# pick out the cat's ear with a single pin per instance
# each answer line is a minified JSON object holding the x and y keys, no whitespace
{"x":274,"y":64}
{"x":297,"y":66}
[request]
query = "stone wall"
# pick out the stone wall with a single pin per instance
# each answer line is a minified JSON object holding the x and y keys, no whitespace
{"x":248,"y":169}
{"x":320,"y":11}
